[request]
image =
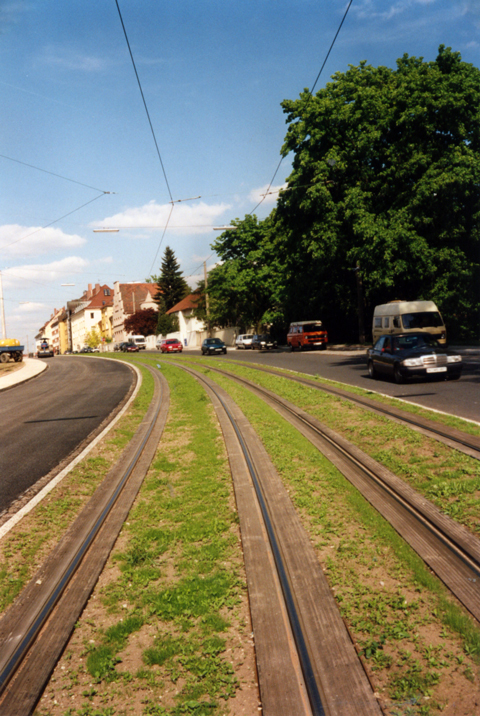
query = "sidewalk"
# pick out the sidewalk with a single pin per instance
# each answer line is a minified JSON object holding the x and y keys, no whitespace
{"x":30,"y":368}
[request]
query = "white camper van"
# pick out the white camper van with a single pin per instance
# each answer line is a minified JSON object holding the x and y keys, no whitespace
{"x":139,"y":341}
{"x":408,"y":316}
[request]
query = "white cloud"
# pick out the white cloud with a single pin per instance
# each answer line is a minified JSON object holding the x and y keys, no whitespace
{"x":69,"y":59}
{"x":16,"y":240}
{"x":186,"y":218}
{"x":269,"y":195}
{"x":383,"y":11}
{"x":21,"y":276}
{"x":31,"y":307}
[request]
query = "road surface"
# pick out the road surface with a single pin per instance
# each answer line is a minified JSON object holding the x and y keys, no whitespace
{"x":44,"y":420}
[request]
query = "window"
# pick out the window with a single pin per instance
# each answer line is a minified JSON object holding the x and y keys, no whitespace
{"x":386,"y":323}
{"x":106,"y":292}
{"x":378,"y":323}
{"x":396,"y":322}
{"x":92,"y":315}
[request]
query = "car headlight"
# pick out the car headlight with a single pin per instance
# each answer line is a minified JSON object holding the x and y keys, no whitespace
{"x":454,"y":359}
{"x":410,"y":362}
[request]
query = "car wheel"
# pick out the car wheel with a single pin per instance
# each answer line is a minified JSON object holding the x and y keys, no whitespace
{"x":371,"y":370}
{"x":397,"y":375}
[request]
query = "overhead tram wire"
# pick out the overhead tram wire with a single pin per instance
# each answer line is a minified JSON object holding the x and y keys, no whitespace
{"x":60,"y":176}
{"x":310,"y":94}
{"x":22,"y":238}
{"x":152,"y":130}
{"x":143,"y":98}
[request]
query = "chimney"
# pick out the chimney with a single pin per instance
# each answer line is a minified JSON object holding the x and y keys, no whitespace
{"x":89,"y":292}
{"x":97,"y":287}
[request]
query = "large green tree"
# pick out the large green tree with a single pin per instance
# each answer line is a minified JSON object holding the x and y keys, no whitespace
{"x":386,"y":175}
{"x":172,"y":287}
{"x":244,"y":289}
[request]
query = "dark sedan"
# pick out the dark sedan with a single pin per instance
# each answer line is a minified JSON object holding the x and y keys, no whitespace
{"x":412,"y":354}
{"x":213,"y":345}
{"x":263,"y":342}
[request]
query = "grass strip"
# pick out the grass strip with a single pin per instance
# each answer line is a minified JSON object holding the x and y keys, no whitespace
{"x":447,"y":477}
{"x":166,"y":632}
{"x":25,"y":547}
{"x":417,"y":642}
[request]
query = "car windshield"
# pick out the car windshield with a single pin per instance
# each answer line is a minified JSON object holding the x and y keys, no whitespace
{"x":422,"y":340}
{"x":213,"y":342}
{"x":423,"y":319}
{"x":312,"y":327}
{"x":248,"y":337}
{"x":173,"y":340}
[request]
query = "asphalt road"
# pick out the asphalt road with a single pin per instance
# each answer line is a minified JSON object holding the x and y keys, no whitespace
{"x":461,"y":397}
{"x":44,"y":420}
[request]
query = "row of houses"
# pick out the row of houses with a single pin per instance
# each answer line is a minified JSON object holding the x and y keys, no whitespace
{"x":104,"y":310}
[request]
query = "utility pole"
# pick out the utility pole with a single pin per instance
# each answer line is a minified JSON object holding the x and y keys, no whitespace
{"x":2,"y":309}
{"x":361,"y":317}
{"x":207,"y":308}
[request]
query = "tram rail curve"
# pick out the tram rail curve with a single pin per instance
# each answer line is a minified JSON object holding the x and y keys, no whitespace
{"x":453,"y":437}
{"x":306,"y":661}
{"x":37,"y":626}
{"x":449,"y":549}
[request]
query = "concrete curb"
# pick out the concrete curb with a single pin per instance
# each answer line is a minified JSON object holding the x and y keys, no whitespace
{"x":30,"y":369}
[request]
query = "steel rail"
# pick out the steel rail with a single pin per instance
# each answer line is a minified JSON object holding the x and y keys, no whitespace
{"x":295,"y":620}
{"x":460,"y":543}
{"x":464,"y":442}
{"x":14,"y":649}
{"x":319,"y":703}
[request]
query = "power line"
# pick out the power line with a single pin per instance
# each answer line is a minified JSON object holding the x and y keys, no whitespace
{"x":22,"y":238}
{"x":309,"y":95}
{"x":143,"y":98}
{"x":45,"y":171}
{"x":161,"y":240}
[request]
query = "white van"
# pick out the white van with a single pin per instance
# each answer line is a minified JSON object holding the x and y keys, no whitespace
{"x":406,"y":317}
{"x":139,"y":341}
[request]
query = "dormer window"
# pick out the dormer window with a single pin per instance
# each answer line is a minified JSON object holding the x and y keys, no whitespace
{"x":106,"y":292}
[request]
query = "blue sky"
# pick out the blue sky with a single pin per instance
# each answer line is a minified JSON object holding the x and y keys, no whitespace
{"x":213,"y":75}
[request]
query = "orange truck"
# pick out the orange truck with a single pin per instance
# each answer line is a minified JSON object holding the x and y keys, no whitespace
{"x":307,"y":334}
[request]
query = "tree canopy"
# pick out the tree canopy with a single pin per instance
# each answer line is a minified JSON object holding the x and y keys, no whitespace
{"x":142,"y":323}
{"x":243,"y":289}
{"x":386,"y":180}
{"x":386,"y":173}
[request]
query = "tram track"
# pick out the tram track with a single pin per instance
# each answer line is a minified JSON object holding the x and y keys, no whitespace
{"x":453,"y":437}
{"x":306,"y":660}
{"x":449,"y":549}
{"x":307,"y":663}
{"x":35,"y":629}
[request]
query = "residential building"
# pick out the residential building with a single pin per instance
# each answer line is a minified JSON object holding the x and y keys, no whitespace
{"x":128,"y":298}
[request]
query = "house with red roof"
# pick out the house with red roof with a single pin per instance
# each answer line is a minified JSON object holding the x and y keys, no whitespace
{"x":191,"y":331}
{"x":128,"y":298}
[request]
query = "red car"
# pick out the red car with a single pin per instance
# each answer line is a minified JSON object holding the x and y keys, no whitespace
{"x":171,"y":345}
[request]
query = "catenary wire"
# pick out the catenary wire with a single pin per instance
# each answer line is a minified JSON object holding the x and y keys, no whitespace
{"x":22,"y":238}
{"x":309,"y":95}
{"x":60,"y":176}
{"x":143,"y":98}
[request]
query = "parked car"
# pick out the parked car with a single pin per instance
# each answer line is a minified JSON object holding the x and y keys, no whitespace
{"x":213,"y":345}
{"x":86,"y":349}
{"x":171,"y":345}
{"x":128,"y":347}
{"x":116,"y":346}
{"x":412,"y":354}
{"x":244,"y":340}
{"x":159,"y":343}
{"x":263,"y":342}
